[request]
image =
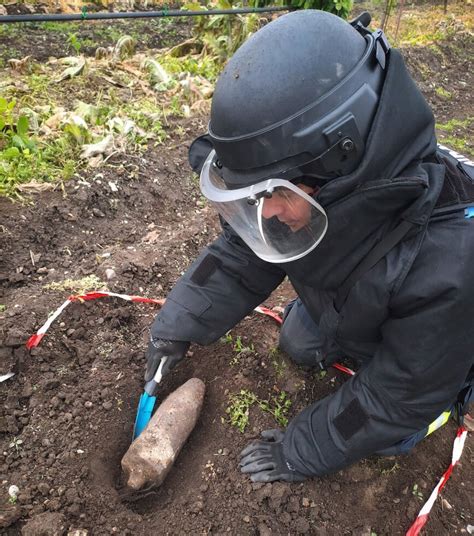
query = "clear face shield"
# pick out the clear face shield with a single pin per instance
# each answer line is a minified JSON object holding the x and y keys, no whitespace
{"x":279,"y":221}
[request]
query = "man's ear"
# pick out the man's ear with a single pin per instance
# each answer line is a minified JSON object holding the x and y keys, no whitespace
{"x":199,"y":151}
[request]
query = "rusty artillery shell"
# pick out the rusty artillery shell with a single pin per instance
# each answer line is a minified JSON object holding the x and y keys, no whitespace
{"x":151,"y":456}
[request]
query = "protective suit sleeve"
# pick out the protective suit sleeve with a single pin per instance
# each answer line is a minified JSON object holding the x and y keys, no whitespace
{"x":420,"y":366}
{"x":223,"y":285}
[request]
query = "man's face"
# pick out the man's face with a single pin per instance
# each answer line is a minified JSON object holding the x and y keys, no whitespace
{"x":289,"y":207}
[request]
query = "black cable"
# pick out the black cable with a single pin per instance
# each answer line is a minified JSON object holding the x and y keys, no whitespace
{"x":137,"y":14}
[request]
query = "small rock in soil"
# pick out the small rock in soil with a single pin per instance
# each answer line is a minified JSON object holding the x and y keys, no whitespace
{"x":47,"y":524}
{"x":50,"y":384}
{"x":43,"y":488}
{"x":110,"y":274}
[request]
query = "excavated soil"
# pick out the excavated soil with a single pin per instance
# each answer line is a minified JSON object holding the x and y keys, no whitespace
{"x":68,"y":413}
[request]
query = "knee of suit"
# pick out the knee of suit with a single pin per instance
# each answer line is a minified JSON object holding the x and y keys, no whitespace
{"x":295,"y":351}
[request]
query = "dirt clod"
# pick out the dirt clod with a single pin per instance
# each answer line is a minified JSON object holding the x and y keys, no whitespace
{"x":46,"y":524}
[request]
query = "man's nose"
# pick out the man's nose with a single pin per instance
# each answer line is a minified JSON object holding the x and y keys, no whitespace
{"x":271,"y":207}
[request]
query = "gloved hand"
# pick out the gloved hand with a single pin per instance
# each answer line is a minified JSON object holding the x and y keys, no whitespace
{"x":265,"y":462}
{"x":165,"y":353}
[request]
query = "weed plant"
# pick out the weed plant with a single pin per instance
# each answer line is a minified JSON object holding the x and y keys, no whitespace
{"x":240,"y":403}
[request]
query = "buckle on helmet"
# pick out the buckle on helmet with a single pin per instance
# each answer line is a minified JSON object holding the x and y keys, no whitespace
{"x":382,"y":47}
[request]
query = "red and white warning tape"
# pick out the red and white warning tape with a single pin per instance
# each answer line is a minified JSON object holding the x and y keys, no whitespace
{"x":422,"y":518}
{"x":35,"y":339}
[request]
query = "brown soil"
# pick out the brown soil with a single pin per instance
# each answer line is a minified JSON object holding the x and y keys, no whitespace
{"x":67,"y":415}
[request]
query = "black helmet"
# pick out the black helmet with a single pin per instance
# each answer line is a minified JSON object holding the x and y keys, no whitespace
{"x":298,"y":99}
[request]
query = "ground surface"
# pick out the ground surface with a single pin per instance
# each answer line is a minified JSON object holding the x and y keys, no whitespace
{"x":67,"y":415}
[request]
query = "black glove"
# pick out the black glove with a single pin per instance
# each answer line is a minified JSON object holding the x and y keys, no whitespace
{"x":172,"y":352}
{"x":265,"y":462}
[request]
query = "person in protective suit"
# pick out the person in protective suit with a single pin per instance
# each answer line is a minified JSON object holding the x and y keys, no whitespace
{"x":322,"y":161}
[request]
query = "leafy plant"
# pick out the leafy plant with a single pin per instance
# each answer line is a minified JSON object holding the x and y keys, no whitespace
{"x":74,"y":42}
{"x":16,"y":444}
{"x":395,"y":467}
{"x":277,"y":361}
{"x":341,"y":8}
{"x":13,"y":131}
{"x":240,"y":404}
{"x":239,"y":408}
{"x":238,"y":346}
{"x":321,"y":374}
{"x":416,"y":492}
{"x":222,"y":35}
{"x":278,"y":407}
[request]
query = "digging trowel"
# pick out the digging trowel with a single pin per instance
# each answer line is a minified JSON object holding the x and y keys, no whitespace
{"x":147,"y":401}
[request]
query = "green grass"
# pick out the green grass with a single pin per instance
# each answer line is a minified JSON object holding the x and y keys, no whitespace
{"x":456,"y":134}
{"x":453,"y":124}
{"x":444,"y":93}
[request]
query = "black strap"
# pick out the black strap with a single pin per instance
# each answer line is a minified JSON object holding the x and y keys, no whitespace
{"x":371,"y":259}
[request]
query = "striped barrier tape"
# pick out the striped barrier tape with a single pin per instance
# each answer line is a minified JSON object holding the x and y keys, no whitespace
{"x":35,"y":339}
{"x":422,"y":517}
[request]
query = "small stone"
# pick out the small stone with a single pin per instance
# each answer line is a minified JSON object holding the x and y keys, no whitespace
{"x":246,"y":519}
{"x":98,"y":213}
{"x":27,"y":390}
{"x":50,"y":384}
{"x":107,"y":405}
{"x":110,"y":273}
{"x":43,"y":488}
{"x":335,"y":486}
{"x":13,"y":491}
{"x":305,"y":502}
{"x":445,"y":505}
{"x":88,"y":404}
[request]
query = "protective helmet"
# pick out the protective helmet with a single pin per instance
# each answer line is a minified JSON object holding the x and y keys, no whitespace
{"x":295,"y":103}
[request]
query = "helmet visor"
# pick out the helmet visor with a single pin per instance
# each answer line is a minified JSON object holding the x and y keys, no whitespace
{"x":278,"y":220}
